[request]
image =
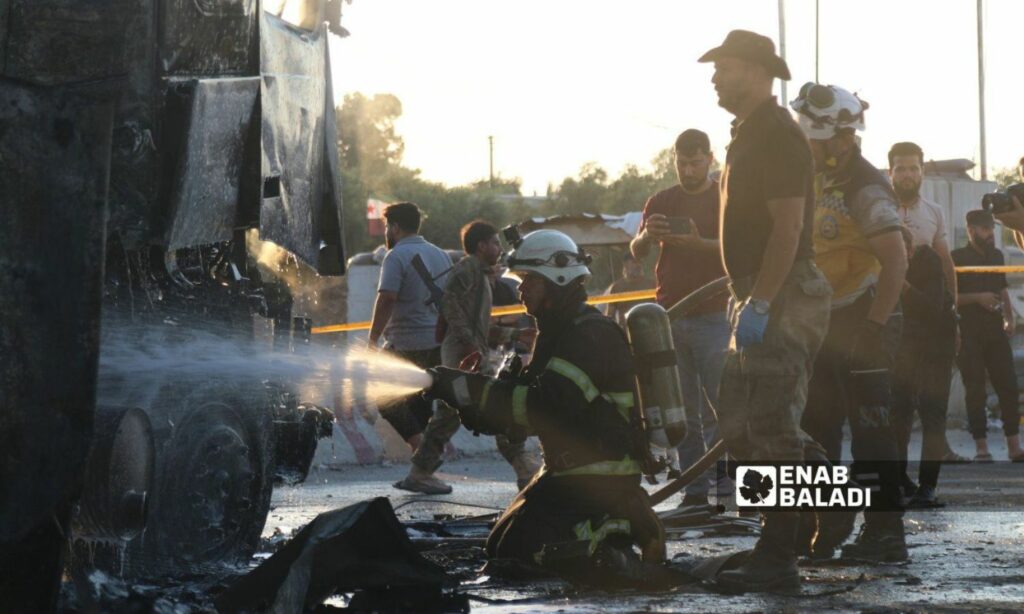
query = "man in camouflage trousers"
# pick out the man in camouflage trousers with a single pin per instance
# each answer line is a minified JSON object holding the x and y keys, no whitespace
{"x":468,"y":339}
{"x":780,"y":300}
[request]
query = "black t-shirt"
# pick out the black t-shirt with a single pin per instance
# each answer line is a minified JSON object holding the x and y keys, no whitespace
{"x":969,"y":283}
{"x":927,"y":305}
{"x":768,"y":158}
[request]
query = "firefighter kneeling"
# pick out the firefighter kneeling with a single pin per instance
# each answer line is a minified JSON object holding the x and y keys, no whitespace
{"x":577,"y":396}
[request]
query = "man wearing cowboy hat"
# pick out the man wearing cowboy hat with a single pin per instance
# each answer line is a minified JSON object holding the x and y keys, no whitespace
{"x":780,"y":299}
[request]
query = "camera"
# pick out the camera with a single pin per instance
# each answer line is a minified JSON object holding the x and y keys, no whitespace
{"x":679,"y":225}
{"x":999,"y":202}
{"x":512,"y":235}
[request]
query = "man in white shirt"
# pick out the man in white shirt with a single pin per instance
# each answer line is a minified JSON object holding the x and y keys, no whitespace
{"x":921,"y":217}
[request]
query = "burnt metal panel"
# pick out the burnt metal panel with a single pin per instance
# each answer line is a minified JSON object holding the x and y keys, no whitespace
{"x":94,"y":41}
{"x":292,"y":100}
{"x":332,"y":252}
{"x":136,"y":208}
{"x":208,"y":36}
{"x":5,"y":12}
{"x":135,"y":212}
{"x":54,"y":151}
{"x":290,"y":186}
{"x":67,"y":41}
{"x":205,"y":193}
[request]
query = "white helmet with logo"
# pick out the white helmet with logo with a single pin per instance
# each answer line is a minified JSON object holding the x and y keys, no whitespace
{"x":549,"y":253}
{"x":824,"y":110}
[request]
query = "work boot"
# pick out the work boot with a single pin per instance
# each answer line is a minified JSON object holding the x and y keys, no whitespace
{"x":693,"y":502}
{"x":526,"y":466}
{"x":423,"y":482}
{"x":881,"y":540}
{"x":805,"y":533}
{"x":925,"y":498}
{"x":772,"y":564}
{"x":834,"y":527}
{"x":907,"y":488}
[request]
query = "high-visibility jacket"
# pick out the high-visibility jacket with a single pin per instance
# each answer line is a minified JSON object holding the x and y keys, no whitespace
{"x":577,"y":397}
{"x":851,"y":209}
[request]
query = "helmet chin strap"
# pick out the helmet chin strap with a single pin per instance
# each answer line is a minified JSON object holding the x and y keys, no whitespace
{"x":562,"y":301}
{"x":839,"y":152}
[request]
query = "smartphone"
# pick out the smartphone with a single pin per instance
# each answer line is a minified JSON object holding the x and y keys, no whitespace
{"x":679,"y":225}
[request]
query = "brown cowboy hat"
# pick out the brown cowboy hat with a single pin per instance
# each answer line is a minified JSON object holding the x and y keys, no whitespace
{"x":751,"y":47}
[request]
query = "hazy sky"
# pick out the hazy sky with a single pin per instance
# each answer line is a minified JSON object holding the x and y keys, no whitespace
{"x":563,"y":82}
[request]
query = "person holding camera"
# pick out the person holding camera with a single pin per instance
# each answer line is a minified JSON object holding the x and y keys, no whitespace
{"x":987,"y":323}
{"x":683,"y":220}
{"x":1008,"y":207}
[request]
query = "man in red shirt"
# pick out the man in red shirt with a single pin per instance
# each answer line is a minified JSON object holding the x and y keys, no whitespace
{"x":683,"y":220}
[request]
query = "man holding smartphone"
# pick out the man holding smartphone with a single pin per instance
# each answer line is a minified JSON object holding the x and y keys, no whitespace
{"x":683,"y":220}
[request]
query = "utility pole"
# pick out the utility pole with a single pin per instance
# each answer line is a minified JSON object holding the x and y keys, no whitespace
{"x":782,"y":47}
{"x":817,"y":37}
{"x":981,"y":92}
{"x":490,"y":147}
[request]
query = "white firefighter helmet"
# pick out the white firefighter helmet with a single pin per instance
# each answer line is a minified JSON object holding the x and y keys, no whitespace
{"x":824,"y":110}
{"x":549,"y":253}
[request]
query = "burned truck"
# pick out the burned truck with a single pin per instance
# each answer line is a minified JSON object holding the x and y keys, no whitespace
{"x":141,"y":143}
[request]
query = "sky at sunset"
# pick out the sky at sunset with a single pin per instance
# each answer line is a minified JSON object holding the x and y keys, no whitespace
{"x":559,"y":83}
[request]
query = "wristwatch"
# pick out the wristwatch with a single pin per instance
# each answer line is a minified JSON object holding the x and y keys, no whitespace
{"x":761,"y":306}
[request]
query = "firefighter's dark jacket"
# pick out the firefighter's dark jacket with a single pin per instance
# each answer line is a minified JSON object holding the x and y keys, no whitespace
{"x":577,"y":396}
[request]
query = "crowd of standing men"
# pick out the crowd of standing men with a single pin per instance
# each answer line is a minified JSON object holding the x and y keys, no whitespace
{"x":845,"y":311}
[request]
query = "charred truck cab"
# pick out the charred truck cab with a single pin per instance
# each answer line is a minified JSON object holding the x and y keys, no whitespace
{"x":140,"y":140}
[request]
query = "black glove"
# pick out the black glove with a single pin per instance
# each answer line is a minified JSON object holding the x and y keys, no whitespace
{"x":870,"y":362}
{"x":462,"y":390}
{"x":870,"y":349}
{"x":512,"y":368}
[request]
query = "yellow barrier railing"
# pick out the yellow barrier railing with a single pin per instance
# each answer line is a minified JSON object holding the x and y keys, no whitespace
{"x":1016,"y":268}
{"x":622,"y":297}
{"x":508,"y":310}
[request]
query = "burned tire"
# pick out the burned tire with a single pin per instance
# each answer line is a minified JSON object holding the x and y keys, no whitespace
{"x":213,"y":481}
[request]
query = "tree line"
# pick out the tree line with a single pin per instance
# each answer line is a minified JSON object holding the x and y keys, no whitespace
{"x":372,"y":166}
{"x":371,"y":157}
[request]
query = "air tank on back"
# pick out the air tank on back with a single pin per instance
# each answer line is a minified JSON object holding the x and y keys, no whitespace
{"x":657,"y":372}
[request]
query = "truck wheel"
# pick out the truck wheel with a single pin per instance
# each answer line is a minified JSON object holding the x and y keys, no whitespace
{"x":211,"y":493}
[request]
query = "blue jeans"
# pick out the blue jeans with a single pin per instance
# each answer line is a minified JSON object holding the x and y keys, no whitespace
{"x":701,"y":343}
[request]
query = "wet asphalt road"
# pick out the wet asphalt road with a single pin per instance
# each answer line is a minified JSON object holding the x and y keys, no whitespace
{"x":966,"y":557}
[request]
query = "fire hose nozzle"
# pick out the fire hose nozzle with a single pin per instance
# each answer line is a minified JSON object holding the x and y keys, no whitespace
{"x":434,"y":379}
